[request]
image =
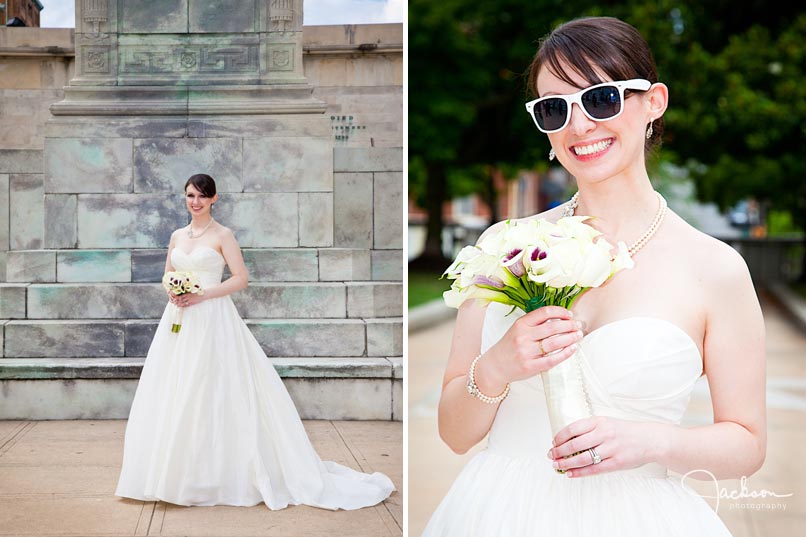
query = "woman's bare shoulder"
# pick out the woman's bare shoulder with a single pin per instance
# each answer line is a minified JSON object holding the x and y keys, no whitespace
{"x":223,"y":230}
{"x":552,"y":215}
{"x":177,"y":233}
{"x":719,"y":262}
{"x":225,"y":236}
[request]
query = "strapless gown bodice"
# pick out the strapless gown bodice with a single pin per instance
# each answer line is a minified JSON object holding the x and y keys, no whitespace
{"x":207,"y":263}
{"x":638,"y":368}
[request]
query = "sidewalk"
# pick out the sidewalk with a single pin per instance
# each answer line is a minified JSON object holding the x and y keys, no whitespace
{"x":57,"y":478}
{"x":433,"y":467}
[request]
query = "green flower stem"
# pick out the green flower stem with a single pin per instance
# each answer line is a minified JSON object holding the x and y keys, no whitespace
{"x":543,"y":295}
{"x":534,"y":303}
{"x":506,"y":294}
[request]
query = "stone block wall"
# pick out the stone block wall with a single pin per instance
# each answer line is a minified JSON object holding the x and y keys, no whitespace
{"x":326,"y":267}
{"x":91,"y":200}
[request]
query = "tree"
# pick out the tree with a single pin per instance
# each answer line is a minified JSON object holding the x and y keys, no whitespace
{"x":747,"y":136}
{"x":736,"y":75}
{"x":466,"y":95}
{"x":444,"y":75}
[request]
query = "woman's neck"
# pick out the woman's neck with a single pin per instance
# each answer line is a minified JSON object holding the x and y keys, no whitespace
{"x":623,"y":207}
{"x":200,"y":220}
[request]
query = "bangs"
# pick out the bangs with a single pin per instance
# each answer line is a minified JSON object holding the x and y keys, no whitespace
{"x":590,"y":51}
{"x":556,"y":62}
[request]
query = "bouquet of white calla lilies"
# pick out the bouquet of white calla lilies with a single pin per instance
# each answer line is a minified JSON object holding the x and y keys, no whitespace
{"x":535,"y":263}
{"x":180,"y":283}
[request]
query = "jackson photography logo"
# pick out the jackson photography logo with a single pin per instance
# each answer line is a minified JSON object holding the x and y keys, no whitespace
{"x":742,"y":498}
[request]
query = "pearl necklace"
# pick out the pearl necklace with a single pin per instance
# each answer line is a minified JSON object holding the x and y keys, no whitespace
{"x":570,"y":208}
{"x":190,"y":229}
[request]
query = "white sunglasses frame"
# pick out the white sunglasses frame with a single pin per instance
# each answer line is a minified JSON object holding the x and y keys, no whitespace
{"x":639,"y":84}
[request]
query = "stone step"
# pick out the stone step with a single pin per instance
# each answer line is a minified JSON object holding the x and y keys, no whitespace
{"x":41,"y":368}
{"x":277,"y":337}
{"x":148,"y":265}
{"x":103,"y":388}
{"x":315,"y":300}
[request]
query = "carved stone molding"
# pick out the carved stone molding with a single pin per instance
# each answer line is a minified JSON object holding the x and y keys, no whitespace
{"x":281,"y":57}
{"x":162,"y":43}
{"x":165,"y":59}
{"x":95,"y":59}
{"x":96,"y":18}
{"x":281,"y":15}
{"x":95,"y":12}
{"x":189,"y":100}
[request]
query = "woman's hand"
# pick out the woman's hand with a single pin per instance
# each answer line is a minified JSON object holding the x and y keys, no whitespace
{"x":186,"y":299}
{"x":534,"y":343}
{"x":622,"y":445}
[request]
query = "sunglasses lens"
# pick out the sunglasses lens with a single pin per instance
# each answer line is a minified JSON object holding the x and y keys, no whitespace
{"x":603,"y":102}
{"x":551,"y":114}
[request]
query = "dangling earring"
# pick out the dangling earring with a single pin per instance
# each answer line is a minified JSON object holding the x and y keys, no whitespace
{"x":649,"y":130}
{"x":551,"y":154}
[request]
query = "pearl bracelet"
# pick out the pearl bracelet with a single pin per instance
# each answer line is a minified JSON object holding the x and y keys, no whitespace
{"x":474,"y":390}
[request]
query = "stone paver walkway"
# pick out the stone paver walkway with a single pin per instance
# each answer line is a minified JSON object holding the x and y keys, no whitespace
{"x":57,"y":478}
{"x":433,"y":467}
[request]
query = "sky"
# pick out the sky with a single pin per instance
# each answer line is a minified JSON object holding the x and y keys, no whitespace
{"x":61,"y":13}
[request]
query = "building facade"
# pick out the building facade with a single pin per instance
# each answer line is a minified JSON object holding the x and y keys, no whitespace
{"x":26,"y":11}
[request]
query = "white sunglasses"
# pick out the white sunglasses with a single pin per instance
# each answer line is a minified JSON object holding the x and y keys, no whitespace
{"x":599,"y":103}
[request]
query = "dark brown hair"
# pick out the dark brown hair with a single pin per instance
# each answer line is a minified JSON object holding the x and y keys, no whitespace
{"x":592,"y":44}
{"x":203,"y":183}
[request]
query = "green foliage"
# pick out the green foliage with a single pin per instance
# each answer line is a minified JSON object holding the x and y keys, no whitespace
{"x":755,"y":117}
{"x":425,"y":286}
{"x":780,"y":223}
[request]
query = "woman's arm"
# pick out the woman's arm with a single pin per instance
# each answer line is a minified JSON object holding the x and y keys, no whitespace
{"x":735,"y":444}
{"x":171,"y":245}
{"x":734,"y":361}
{"x":240,"y":276}
{"x":464,"y":420}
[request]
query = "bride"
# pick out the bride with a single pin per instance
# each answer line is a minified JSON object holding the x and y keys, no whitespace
{"x":211,"y":422}
{"x":687,"y":308}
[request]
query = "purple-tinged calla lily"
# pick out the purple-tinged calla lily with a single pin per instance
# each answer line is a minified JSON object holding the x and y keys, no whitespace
{"x":535,"y":260}
{"x":513,"y":261}
{"x":455,"y":297}
{"x":517,"y":269}
{"x":491,"y":281}
{"x":537,"y":254}
{"x":512,"y":253}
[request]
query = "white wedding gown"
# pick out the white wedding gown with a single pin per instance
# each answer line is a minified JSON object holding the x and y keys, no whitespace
{"x":639,"y":368}
{"x":212,"y":423}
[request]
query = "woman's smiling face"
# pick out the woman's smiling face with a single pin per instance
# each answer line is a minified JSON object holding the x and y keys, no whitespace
{"x":595,"y":150}
{"x":197,"y":203}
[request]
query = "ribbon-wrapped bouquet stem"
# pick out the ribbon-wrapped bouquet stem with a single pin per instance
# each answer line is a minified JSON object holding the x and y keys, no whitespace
{"x":180,"y":283}
{"x":534,"y":263}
